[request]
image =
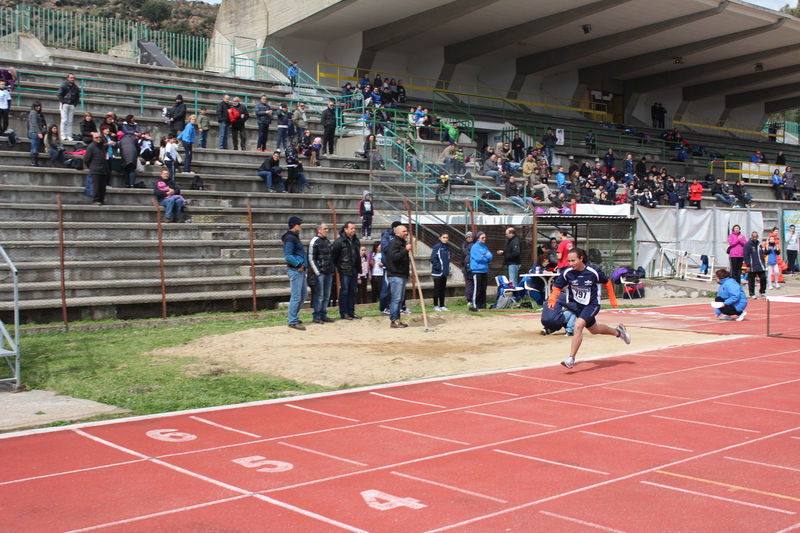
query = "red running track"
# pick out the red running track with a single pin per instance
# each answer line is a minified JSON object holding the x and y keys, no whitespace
{"x":698,"y":438}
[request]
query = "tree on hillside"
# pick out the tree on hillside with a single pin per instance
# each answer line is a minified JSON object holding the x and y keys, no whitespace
{"x":794,"y":11}
{"x":156,"y":11}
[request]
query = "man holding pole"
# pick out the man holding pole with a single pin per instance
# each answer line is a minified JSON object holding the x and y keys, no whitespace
{"x":396,"y":259}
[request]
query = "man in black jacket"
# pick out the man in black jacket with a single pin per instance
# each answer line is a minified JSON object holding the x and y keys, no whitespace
{"x":224,"y":121}
{"x":346,"y":252}
{"x":511,"y":255}
{"x":320,"y":259}
{"x":549,"y":141}
{"x":177,"y":116}
{"x":69,"y":95}
{"x":238,"y":133}
{"x":754,"y":259}
{"x":396,"y":260}
{"x":328,"y":128}
{"x":95,"y":160}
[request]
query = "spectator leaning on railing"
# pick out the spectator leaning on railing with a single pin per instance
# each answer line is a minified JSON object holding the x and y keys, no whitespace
{"x":69,"y":95}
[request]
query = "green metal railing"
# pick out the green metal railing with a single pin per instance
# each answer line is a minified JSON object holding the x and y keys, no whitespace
{"x":75,"y":31}
{"x":269,"y":64}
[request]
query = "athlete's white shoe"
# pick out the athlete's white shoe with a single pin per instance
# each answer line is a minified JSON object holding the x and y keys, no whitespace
{"x":622,"y":333}
{"x":569,"y":362}
{"x":741,"y":316}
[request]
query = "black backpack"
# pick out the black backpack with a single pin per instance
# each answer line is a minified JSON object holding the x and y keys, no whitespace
{"x":197,"y":183}
{"x":75,"y":164}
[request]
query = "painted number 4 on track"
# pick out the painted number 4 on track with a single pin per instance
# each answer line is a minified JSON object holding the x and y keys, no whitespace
{"x":383,"y":502}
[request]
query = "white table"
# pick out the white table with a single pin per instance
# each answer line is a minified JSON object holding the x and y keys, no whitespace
{"x":547,"y":277}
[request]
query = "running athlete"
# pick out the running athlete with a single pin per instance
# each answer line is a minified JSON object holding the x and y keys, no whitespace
{"x":582,"y":282}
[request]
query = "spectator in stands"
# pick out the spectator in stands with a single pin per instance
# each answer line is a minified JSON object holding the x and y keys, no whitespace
{"x":271,"y":170}
{"x":171,"y":154}
{"x":292,"y":74}
{"x":469,"y":285}
{"x":564,"y":246}
{"x":511,"y":255}
{"x":110,"y":122}
{"x":591,"y":142}
{"x":780,"y":159}
{"x":537,"y":186}
{"x":440,"y":269}
{"x":561,"y":182}
{"x":377,"y":270}
{"x":447,"y":157}
{"x":366,"y":212}
{"x":263,"y":119}
{"x":95,"y":160}
{"x":662,"y":115}
{"x":188,"y":137}
{"x":731,"y":300}
{"x":736,"y":242}
{"x":129,"y":125}
{"x":345,"y":255}
{"x":283,"y":116}
{"x":300,"y":120}
{"x":789,"y":184}
{"x":681,"y":192}
{"x":792,"y":247}
{"x":328,"y":119}
{"x":177,"y":116}
{"x":744,"y":197}
{"x":549,"y":141}
{"x":401,"y":92}
{"x":695,"y":193}
{"x":347,"y":90}
{"x":56,"y":150}
{"x":224,"y":121}
{"x":203,"y":125}
{"x":69,"y":95}
{"x":37,"y":127}
{"x":397,"y":263}
{"x":5,"y":105}
{"x":608,"y":160}
{"x":518,"y":147}
{"x":479,"y":257}
{"x":490,"y":169}
{"x":718,"y":192}
{"x":320,"y":263}
{"x":378,"y":81}
{"x":654,"y":114}
{"x":129,"y":151}
{"x":147,"y":152}
{"x":296,"y":263}
{"x":87,"y":127}
{"x":295,"y":167}
{"x":754,"y":260}
{"x":777,"y":184}
{"x":627,"y":168}
{"x":515,"y":193}
{"x":169,"y":196}
{"x":755,"y":158}
{"x":239,"y":116}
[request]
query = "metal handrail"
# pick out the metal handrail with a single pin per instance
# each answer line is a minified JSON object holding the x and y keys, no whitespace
{"x":13,"y":344}
{"x":713,"y":126}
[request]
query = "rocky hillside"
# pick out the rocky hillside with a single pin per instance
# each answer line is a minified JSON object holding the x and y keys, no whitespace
{"x":177,"y":16}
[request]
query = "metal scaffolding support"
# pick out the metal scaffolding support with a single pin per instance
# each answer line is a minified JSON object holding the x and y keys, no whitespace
{"x":9,"y":349}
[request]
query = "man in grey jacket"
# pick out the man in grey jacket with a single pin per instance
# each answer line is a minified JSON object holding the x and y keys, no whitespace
{"x":300,"y":120}
{"x":320,"y":260}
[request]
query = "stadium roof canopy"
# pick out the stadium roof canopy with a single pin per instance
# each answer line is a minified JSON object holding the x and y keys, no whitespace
{"x":732,"y":50}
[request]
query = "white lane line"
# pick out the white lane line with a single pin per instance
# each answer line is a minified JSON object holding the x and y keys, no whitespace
{"x":210,"y":423}
{"x":553,"y":431}
{"x":692,"y":357}
{"x":610,"y":481}
{"x":224,"y":485}
{"x":584,"y":405}
{"x":637,"y":441}
{"x":582,"y":522}
{"x":649,"y":393}
{"x":476,"y":388}
{"x":162,"y":513}
{"x":408,"y":401}
{"x":309,"y":450}
{"x":449,"y":487}
{"x":552,"y":462}
{"x":790,"y":528}
{"x":321,"y":413}
{"x":798,"y":438}
{"x":70,"y":472}
{"x":425,"y":435}
{"x":762,"y":464}
{"x":759,"y":408}
{"x":512,"y":419}
{"x":543,"y":379}
{"x":705,"y":424}
{"x":717,"y":497}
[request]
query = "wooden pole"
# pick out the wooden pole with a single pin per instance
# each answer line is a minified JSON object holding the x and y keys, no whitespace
{"x":252,"y":256}
{"x":61,"y":262}
{"x":161,"y":261}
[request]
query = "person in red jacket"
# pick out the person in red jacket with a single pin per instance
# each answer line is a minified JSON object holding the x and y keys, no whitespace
{"x":695,"y":193}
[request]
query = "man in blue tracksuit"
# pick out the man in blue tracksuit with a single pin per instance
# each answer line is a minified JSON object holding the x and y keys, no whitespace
{"x":440,"y":269}
{"x":479,"y":257}
{"x":731,"y":300}
{"x":296,"y":263}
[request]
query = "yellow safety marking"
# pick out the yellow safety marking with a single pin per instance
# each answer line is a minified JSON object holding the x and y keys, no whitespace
{"x":733,"y":488}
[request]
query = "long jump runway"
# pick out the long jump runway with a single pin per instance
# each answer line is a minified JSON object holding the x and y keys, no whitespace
{"x":695,"y":438}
